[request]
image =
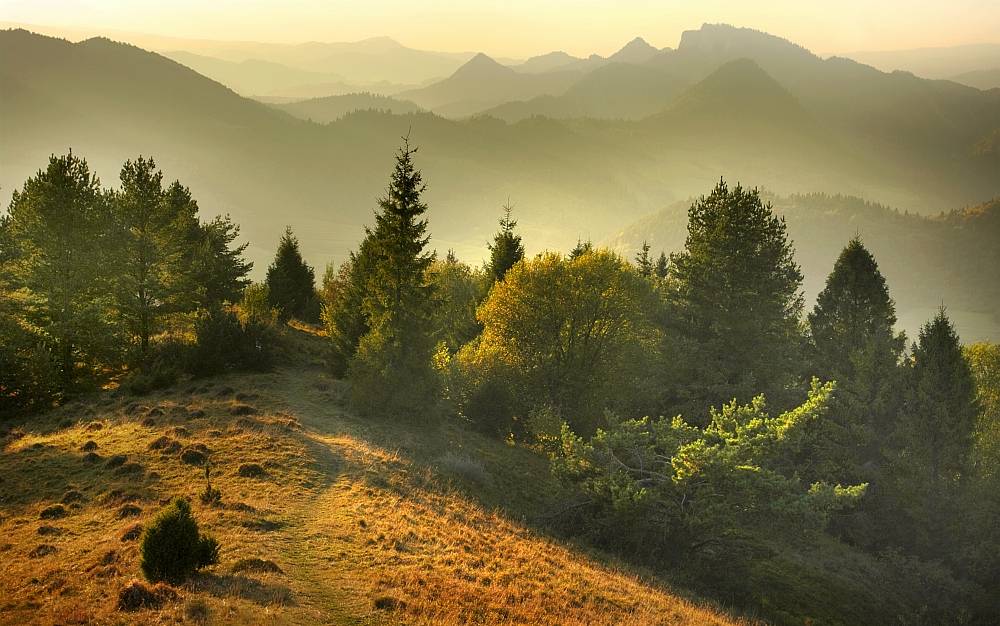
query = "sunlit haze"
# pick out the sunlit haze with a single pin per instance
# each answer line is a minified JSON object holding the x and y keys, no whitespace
{"x":521,"y":28}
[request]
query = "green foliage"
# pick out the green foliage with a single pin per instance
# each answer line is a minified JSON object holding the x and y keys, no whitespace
{"x":666,"y":489}
{"x":851,"y":312}
{"x":734,"y":304}
{"x":291,"y":282}
{"x":391,"y":371}
{"x":571,"y":333}
{"x":660,"y":270}
{"x":643,"y":262}
{"x":55,"y":276}
{"x":458,"y":290}
{"x":224,"y":343}
{"x":171,"y":548}
{"x":342,"y":314}
{"x":933,"y":439}
{"x":506,"y":249}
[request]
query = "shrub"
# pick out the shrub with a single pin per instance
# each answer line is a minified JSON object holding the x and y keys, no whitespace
{"x":54,"y":511}
{"x":171,"y":548}
{"x":261,"y":566}
{"x":225,"y":343}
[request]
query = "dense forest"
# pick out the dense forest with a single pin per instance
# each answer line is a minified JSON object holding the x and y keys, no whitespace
{"x":699,"y":414}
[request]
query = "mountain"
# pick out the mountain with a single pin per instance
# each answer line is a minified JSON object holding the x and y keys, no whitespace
{"x":580,"y":178}
{"x":482,"y":83}
{"x":616,"y":91}
{"x":326,"y":110}
{"x":545,"y":63}
{"x":636,"y":51}
{"x":253,"y":76}
{"x":933,"y":62}
{"x":951,"y":258}
{"x":980,"y":79}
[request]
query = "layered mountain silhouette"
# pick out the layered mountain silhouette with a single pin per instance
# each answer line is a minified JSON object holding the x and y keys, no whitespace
{"x":332,"y":108}
{"x":727,"y":102}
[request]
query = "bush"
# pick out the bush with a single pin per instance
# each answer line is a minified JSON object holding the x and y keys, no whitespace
{"x":171,"y":548}
{"x":224,"y":343}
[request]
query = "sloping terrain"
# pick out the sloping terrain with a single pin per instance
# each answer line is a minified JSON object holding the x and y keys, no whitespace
{"x":357,"y":522}
{"x":482,"y":83}
{"x":253,"y":76}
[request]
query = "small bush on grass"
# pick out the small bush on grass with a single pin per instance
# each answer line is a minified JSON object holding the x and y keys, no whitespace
{"x":225,"y":343}
{"x":171,"y":548}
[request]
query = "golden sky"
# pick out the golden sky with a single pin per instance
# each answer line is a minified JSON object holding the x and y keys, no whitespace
{"x":522,"y":28}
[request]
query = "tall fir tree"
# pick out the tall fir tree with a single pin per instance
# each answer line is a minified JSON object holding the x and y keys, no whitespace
{"x":644,"y":262}
{"x":933,"y":441}
{"x":506,"y":249}
{"x":661,"y":269}
{"x":291,"y":282}
{"x":391,"y":370}
{"x":735,"y":304}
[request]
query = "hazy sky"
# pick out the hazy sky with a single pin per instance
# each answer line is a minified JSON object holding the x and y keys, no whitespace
{"x":527,"y":27}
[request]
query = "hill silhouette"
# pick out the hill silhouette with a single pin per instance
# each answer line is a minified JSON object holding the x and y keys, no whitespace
{"x":569,"y":180}
{"x":331,"y":108}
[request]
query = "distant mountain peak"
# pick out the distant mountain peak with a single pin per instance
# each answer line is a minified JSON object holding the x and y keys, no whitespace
{"x":481,"y":64}
{"x":726,"y":39}
{"x":635,"y":51}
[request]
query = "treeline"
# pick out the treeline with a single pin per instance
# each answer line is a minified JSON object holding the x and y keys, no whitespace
{"x":101,"y":285}
{"x":780,"y":427}
{"x":778,"y":424}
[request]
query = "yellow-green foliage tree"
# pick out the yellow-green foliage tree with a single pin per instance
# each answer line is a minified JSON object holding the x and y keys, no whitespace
{"x":571,"y":333}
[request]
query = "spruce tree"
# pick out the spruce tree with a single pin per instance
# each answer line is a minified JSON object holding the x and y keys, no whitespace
{"x":291,"y":282}
{"x":735,"y":303}
{"x":391,"y":369}
{"x":643,"y":262}
{"x":933,"y":441}
{"x":853,"y":310}
{"x":661,"y":266}
{"x":506,"y":249}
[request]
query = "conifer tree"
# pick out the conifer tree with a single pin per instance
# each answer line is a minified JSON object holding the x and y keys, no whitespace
{"x":851,"y":312}
{"x":643,"y":262}
{"x":290,"y":281}
{"x":55,"y":265}
{"x":391,"y":368}
{"x":661,"y":266}
{"x":506,"y":249}
{"x":933,"y":440}
{"x":735,"y":302}
{"x":157,"y":227}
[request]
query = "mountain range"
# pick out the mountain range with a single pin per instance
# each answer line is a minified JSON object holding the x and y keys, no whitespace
{"x":634,"y":134}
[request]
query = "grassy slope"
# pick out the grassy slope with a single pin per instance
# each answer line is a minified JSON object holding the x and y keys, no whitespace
{"x":353,"y":513}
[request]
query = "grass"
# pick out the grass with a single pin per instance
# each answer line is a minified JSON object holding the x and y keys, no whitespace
{"x":338,"y":521}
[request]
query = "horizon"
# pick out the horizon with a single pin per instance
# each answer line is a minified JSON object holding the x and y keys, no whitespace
{"x":598,"y":28}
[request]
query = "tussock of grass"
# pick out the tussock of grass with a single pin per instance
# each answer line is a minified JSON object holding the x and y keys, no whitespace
{"x":370,"y":521}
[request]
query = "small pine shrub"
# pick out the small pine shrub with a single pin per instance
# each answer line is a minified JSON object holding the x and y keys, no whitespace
{"x":225,"y":343}
{"x":211,"y":496}
{"x":171,"y":548}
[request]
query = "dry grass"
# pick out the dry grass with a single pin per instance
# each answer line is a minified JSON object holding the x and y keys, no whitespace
{"x":366,"y":523}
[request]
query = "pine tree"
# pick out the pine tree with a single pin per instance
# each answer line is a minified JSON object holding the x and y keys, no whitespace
{"x":506,"y":249}
{"x":291,"y":282}
{"x":736,"y":303}
{"x":643,"y":262}
{"x":157,"y":227}
{"x":391,"y":368}
{"x":55,"y":266}
{"x":661,"y":268}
